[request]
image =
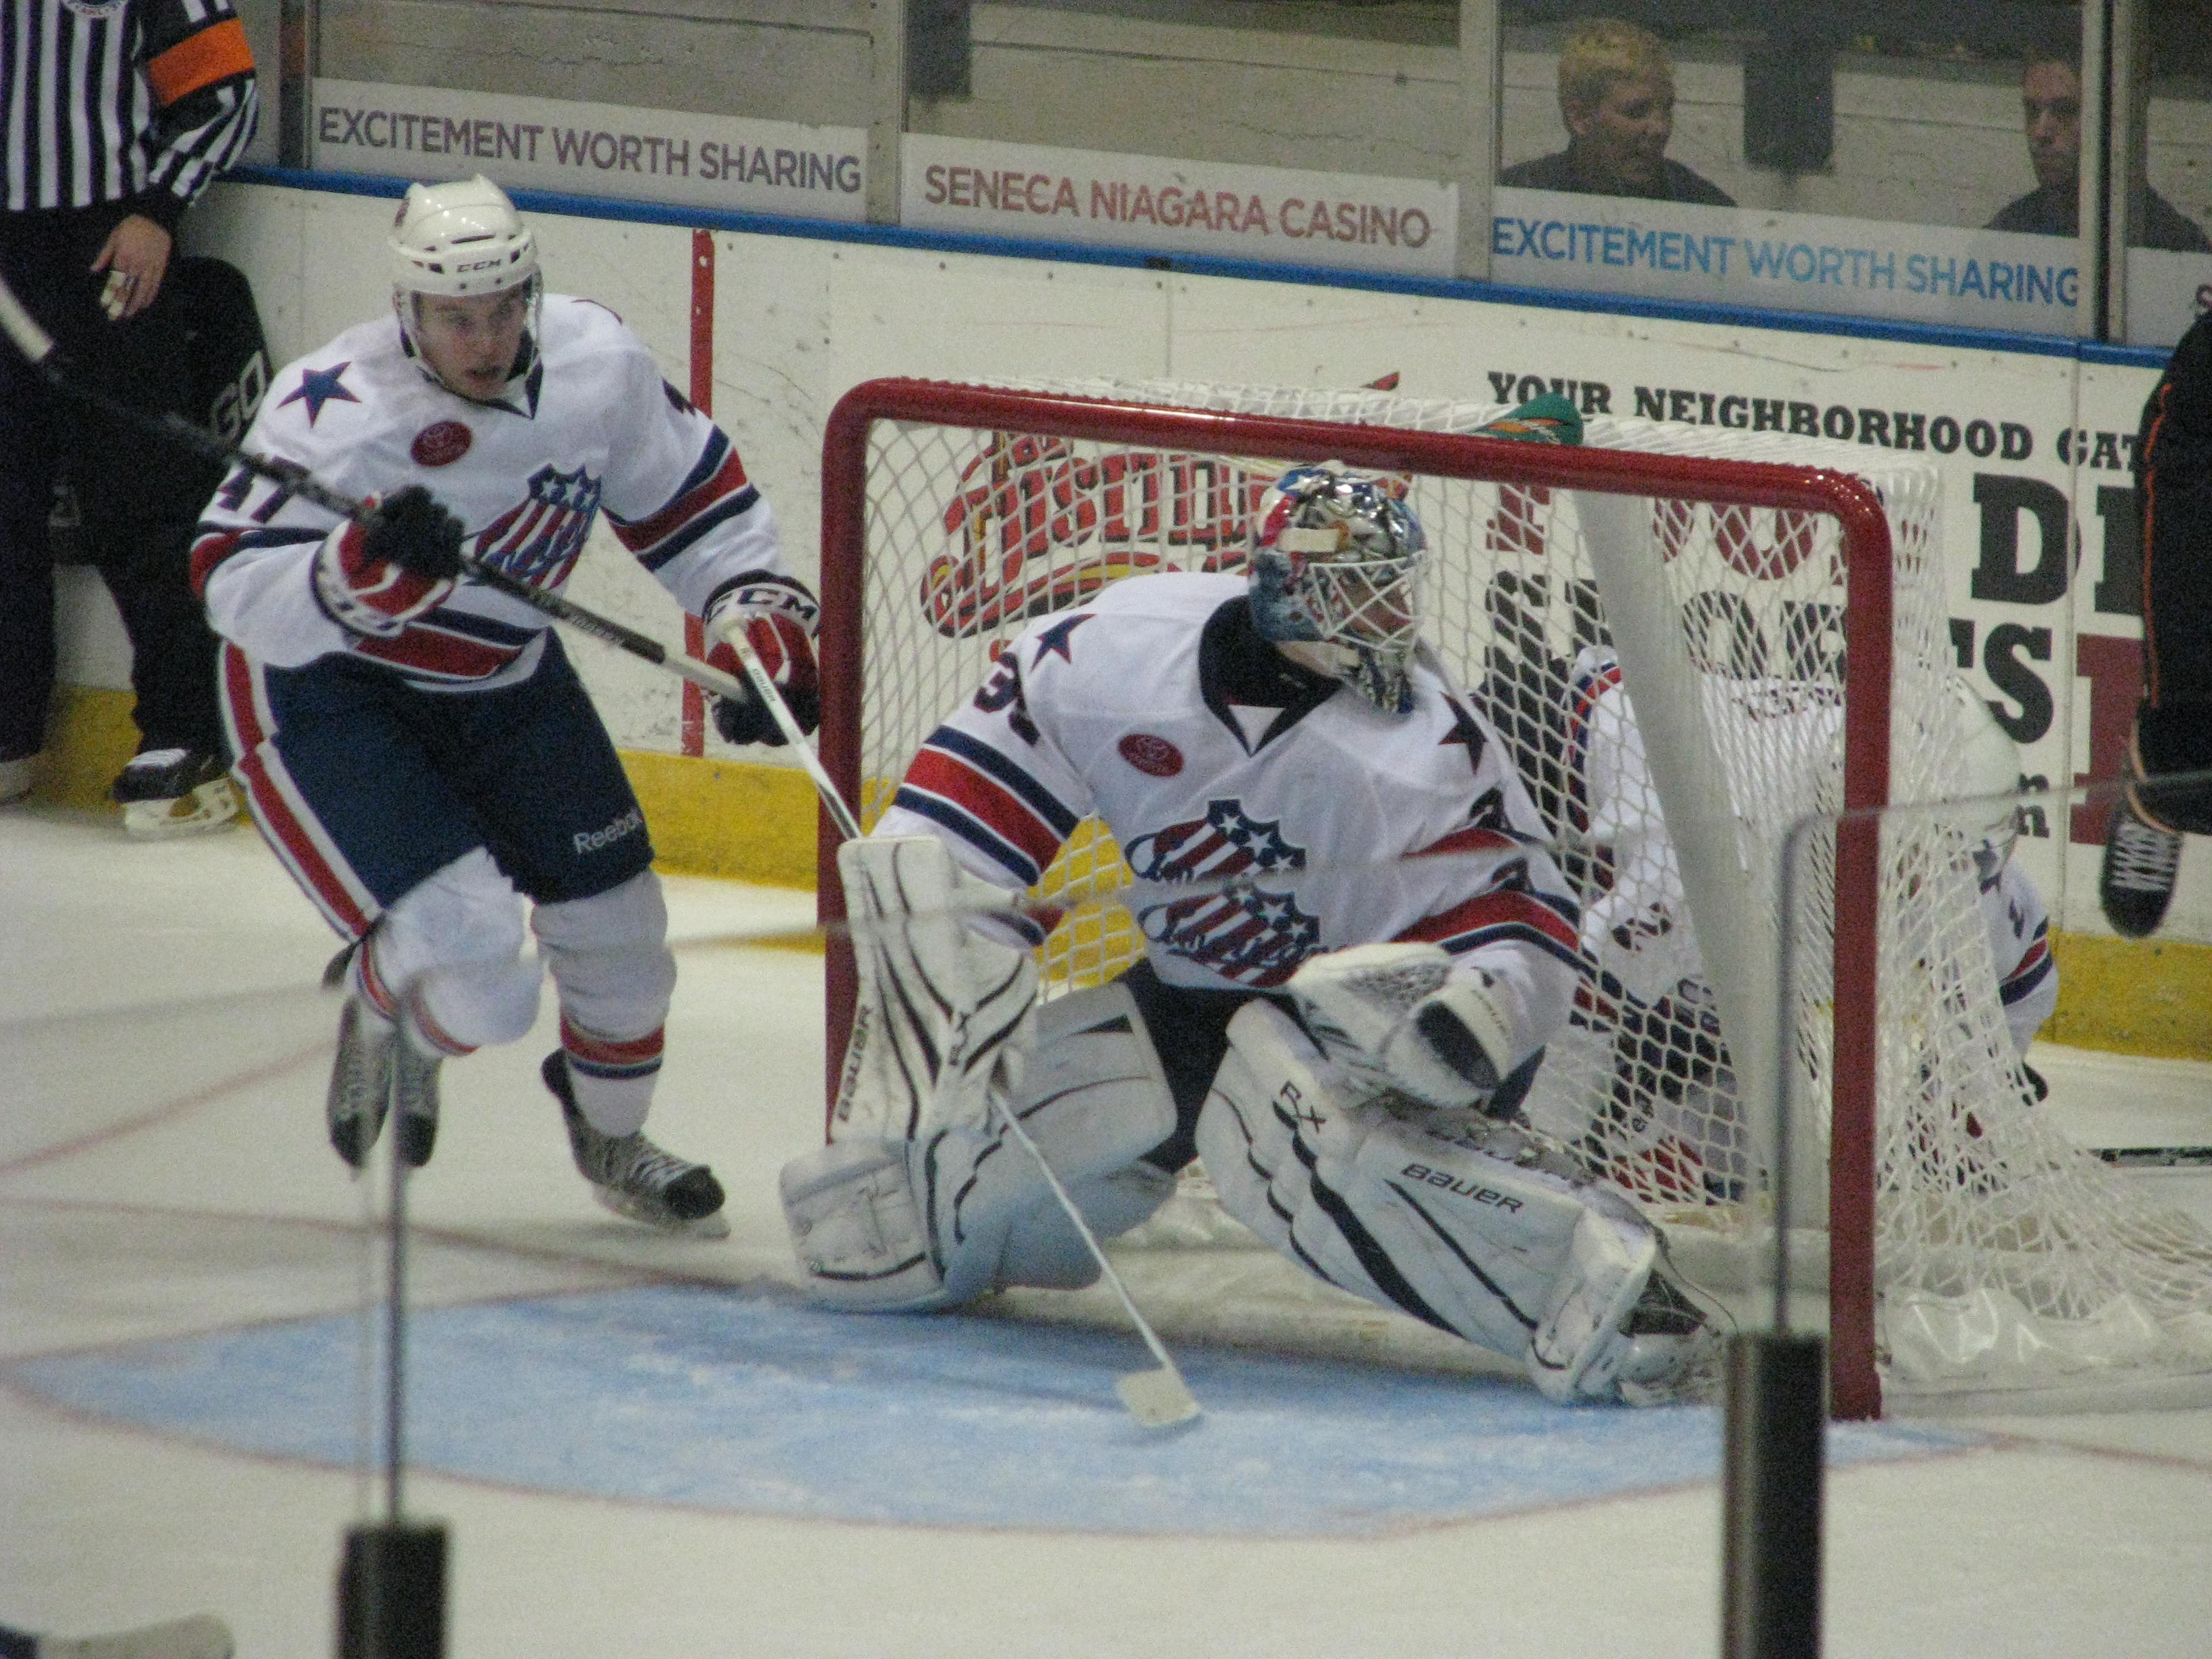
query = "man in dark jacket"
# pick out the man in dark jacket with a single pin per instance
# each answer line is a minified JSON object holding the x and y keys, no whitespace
{"x":2050,"y":102}
{"x":167,"y":89}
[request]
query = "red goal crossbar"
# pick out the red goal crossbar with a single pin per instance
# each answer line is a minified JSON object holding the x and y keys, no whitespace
{"x":1854,"y":1385}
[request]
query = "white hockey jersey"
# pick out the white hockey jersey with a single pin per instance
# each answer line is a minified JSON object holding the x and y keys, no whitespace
{"x":1638,"y":932}
{"x":1129,"y":709}
{"x":589,"y":426}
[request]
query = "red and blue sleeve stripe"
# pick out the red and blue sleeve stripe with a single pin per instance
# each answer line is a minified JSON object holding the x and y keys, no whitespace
{"x":715,"y":492}
{"x":1505,"y":917}
{"x":989,"y":802}
{"x":2035,"y":965}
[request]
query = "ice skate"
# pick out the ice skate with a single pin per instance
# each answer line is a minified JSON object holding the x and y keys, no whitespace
{"x":415,"y":1098}
{"x":632,"y":1177}
{"x":375,"y":1072}
{"x":165,"y":792}
{"x":1673,"y":1347}
{"x":2142,"y":858}
{"x":361,"y":1081}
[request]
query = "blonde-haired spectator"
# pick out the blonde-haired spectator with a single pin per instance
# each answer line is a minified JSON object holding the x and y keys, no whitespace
{"x":1616,"y":98}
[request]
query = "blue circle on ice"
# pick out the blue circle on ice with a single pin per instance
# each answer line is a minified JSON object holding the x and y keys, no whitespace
{"x":749,"y":1401}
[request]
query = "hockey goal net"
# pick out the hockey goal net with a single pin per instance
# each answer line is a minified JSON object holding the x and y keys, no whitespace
{"x":1974,"y":1256}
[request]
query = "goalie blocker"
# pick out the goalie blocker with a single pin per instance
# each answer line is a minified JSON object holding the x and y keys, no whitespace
{"x":1368,"y":1158}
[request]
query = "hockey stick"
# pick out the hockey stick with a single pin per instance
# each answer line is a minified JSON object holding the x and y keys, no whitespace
{"x":1158,"y":1399}
{"x":2155,"y":1158}
{"x":38,"y":348}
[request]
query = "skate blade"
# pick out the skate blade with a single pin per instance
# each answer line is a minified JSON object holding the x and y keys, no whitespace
{"x":1157,"y":1399}
{"x":716,"y":1225}
{"x":210,"y":806}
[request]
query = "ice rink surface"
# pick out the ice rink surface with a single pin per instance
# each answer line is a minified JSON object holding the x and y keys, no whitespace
{"x":650,"y":1445}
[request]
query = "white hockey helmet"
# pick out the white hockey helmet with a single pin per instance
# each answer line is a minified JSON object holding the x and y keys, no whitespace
{"x":1337,"y":560}
{"x":455,"y":241}
{"x":1989,"y":764}
{"x":459,"y":238}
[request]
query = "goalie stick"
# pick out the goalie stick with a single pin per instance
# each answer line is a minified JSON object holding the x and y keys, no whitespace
{"x":37,"y":347}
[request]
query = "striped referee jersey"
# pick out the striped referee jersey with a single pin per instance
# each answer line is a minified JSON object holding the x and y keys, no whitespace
{"x":113,"y":101}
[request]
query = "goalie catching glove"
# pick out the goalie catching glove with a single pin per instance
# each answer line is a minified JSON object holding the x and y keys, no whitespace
{"x":375,"y":578}
{"x":776,"y":619}
{"x":1398,"y":1018}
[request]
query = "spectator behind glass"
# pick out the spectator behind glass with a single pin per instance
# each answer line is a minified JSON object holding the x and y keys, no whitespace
{"x":1617,"y":98}
{"x":2050,"y":104}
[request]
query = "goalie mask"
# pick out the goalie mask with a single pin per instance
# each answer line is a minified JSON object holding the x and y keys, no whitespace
{"x":1989,"y":765}
{"x":1336,"y":566}
{"x":460,"y":240}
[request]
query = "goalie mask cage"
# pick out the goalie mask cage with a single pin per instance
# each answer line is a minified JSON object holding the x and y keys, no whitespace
{"x":1975,"y":1257}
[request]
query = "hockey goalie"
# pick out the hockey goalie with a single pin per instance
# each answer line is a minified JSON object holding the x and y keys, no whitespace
{"x":1671,"y":1132}
{"x":1356,"y":949}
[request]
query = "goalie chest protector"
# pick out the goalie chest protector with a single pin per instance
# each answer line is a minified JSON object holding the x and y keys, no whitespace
{"x":1118,"y":708}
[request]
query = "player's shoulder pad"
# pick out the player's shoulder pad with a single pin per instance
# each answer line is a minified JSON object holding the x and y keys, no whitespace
{"x":586,"y":327}
{"x":1125,"y":623}
{"x":337,"y":389}
{"x":1592,"y":663}
{"x":1169,"y":593}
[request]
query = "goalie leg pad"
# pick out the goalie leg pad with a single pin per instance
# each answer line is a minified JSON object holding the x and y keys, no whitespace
{"x":1473,"y":1226}
{"x":855,"y":1228}
{"x":1094,"y":1100}
{"x":939,"y":1007}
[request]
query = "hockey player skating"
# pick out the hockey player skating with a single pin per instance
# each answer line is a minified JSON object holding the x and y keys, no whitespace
{"x":1343,"y":1047}
{"x":2173,"y":733}
{"x":1671,"y":1132}
{"x":415,"y":745}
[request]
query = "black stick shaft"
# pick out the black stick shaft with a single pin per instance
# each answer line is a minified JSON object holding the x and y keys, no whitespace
{"x":174,"y":428}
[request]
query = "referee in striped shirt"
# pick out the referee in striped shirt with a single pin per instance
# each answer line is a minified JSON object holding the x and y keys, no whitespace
{"x":115,"y":114}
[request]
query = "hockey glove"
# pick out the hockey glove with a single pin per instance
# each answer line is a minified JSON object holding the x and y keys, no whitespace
{"x":1396,"y":1017}
{"x":376,"y":578}
{"x":779,"y":640}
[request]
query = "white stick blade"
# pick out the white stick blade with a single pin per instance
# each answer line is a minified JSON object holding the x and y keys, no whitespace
{"x":1157,"y":1399}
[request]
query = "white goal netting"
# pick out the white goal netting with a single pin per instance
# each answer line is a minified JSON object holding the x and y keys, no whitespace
{"x":2011,"y":1267}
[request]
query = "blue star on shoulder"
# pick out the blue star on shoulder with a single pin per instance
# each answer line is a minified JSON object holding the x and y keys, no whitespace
{"x":1053,"y":640}
{"x":319,"y":387}
{"x":1464,"y":731}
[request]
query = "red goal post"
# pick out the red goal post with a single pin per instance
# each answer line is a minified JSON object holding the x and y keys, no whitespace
{"x":1866,"y":552}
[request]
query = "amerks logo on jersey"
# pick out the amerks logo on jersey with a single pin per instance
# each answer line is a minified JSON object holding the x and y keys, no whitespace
{"x":1244,"y":934}
{"x":539,"y":538}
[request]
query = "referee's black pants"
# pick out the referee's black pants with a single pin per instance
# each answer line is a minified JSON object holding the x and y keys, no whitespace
{"x":139,"y":500}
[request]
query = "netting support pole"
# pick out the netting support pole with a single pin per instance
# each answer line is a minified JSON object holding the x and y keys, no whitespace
{"x":1771,"y":1494}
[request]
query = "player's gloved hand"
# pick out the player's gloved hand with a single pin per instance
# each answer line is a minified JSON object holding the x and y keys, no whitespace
{"x":1397,"y":1017}
{"x":779,"y":640}
{"x":376,"y":578}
